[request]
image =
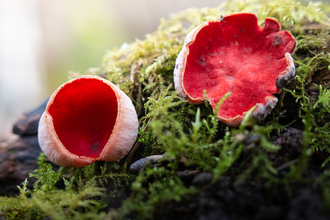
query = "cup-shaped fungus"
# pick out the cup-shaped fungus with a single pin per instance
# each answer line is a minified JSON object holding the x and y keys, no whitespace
{"x":87,"y":119}
{"x":234,"y":55}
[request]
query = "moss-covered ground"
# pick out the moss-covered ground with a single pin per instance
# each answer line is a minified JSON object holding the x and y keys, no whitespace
{"x":275,"y":169}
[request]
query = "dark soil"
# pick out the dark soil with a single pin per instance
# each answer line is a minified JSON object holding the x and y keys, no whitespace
{"x":224,"y":200}
{"x":19,"y":157}
{"x":227,"y":199}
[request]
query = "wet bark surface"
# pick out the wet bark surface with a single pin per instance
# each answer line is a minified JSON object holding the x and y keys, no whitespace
{"x":18,"y":158}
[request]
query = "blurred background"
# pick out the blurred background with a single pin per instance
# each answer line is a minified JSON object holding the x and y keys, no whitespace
{"x":41,"y":40}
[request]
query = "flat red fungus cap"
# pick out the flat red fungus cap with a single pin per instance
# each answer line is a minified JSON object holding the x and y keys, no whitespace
{"x":87,"y":119}
{"x":236,"y":55}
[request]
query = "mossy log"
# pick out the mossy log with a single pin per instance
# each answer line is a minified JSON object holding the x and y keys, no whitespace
{"x":274,"y":169}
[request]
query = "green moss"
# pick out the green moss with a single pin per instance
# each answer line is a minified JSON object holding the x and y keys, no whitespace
{"x":170,"y":125}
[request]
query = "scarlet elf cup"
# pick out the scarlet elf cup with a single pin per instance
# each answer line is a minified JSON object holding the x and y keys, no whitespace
{"x":87,"y":119}
{"x":236,"y":55}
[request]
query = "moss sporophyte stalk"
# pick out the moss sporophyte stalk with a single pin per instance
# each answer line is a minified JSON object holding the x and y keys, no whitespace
{"x":284,"y":155}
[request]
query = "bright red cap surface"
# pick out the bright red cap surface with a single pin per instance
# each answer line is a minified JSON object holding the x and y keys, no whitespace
{"x":87,"y":119}
{"x":236,"y":55}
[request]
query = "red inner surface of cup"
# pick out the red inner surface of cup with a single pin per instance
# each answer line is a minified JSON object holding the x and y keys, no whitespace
{"x":84,"y":113}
